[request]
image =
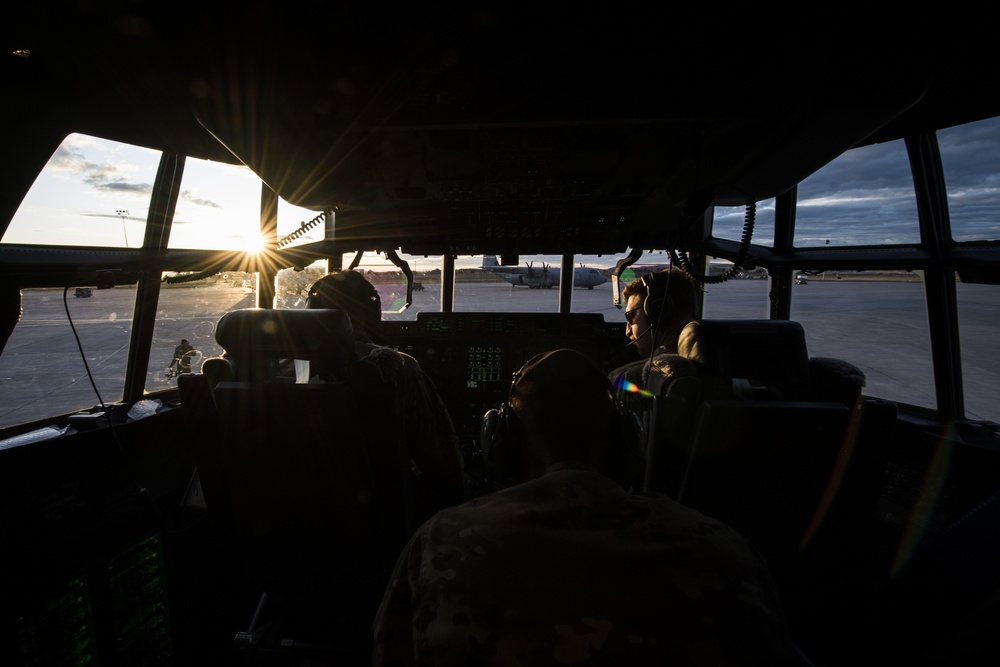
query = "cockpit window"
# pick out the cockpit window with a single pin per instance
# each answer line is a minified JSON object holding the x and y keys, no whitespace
{"x":68,"y":352}
{"x":96,"y":193}
{"x":297,"y":225}
{"x":837,"y":204}
{"x":218,"y":208}
{"x":730,"y":222}
{"x":92,"y":192}
{"x":972,"y":180}
{"x":483,"y":283}
{"x":968,"y":157}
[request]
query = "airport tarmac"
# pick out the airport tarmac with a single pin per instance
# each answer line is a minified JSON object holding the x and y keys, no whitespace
{"x":879,"y":326}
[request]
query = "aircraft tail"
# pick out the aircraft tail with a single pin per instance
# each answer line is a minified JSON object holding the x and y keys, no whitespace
{"x":490,"y":261}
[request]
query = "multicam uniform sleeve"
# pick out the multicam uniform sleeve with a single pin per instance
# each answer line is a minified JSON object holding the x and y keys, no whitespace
{"x":429,"y":434}
{"x":394,"y":625}
{"x":435,"y":448}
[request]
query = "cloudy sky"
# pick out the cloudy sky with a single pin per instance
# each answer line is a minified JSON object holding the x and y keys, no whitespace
{"x":837,"y":203}
{"x":95,"y":193}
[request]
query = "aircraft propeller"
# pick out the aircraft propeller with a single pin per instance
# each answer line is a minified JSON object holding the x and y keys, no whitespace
{"x":531,"y":271}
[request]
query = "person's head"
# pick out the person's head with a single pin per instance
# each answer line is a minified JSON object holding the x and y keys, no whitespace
{"x":184,"y":342}
{"x":350,"y":292}
{"x":657,"y":307}
{"x":561,"y":408}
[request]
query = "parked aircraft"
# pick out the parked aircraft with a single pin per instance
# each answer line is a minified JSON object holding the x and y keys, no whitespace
{"x":542,"y":277}
{"x":137,"y":525}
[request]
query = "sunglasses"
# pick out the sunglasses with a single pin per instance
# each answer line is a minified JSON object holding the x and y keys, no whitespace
{"x":631,"y":314}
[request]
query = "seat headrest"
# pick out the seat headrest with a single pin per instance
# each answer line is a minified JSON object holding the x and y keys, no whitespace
{"x":257,"y":334}
{"x":770,"y":352}
{"x":834,"y":379}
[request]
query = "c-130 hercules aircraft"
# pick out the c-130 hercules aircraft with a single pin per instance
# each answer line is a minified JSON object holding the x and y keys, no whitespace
{"x":541,"y":278}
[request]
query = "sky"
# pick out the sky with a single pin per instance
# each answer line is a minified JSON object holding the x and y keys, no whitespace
{"x":96,"y":193}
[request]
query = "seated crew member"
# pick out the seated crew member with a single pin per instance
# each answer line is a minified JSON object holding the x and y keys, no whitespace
{"x":657,"y":308}
{"x":430,"y":438}
{"x":565,"y":567}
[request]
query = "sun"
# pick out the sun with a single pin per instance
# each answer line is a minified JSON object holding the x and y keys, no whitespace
{"x":252,"y":243}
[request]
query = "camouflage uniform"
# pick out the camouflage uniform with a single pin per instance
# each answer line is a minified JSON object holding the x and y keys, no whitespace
{"x":568,"y":569}
{"x":430,"y":437}
{"x":429,"y":434}
{"x":667,"y":365}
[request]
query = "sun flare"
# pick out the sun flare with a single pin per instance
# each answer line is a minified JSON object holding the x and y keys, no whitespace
{"x":252,"y":243}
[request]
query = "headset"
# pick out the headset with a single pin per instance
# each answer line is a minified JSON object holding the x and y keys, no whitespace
{"x":501,"y":447}
{"x":658,"y":308}
{"x":497,"y":443}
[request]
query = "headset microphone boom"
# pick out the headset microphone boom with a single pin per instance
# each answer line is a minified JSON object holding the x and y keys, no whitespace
{"x":636,"y":339}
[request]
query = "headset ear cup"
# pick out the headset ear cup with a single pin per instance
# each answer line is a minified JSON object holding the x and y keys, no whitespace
{"x":665,"y":310}
{"x":651,"y":304}
{"x":652,"y":309}
{"x":658,"y":308}
{"x":498,"y":442}
{"x":488,"y":435}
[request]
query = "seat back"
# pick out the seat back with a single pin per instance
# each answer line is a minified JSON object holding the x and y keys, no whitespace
{"x":762,"y":359}
{"x":201,"y":421}
{"x":762,"y":468}
{"x":305,"y":510}
{"x":758,"y":360}
{"x":781,"y":447}
{"x":309,"y":479}
{"x":257,"y":339}
{"x":668,"y":418}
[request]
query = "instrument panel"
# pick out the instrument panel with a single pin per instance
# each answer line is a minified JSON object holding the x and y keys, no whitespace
{"x":471,"y":357}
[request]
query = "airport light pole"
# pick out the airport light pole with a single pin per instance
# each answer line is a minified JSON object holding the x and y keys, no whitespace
{"x":124,"y":215}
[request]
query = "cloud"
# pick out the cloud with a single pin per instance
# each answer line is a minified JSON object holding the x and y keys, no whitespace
{"x":189,"y":197}
{"x":121,"y":186}
{"x":104,"y":177}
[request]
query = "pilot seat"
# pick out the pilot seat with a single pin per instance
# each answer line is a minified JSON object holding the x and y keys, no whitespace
{"x":307,"y":479}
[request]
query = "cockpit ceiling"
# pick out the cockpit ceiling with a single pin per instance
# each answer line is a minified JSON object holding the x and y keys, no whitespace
{"x":487,"y":127}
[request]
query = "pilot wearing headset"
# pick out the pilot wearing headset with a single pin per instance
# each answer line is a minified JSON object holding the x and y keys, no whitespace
{"x":562,"y":565}
{"x":657,"y":308}
{"x":436,"y":463}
